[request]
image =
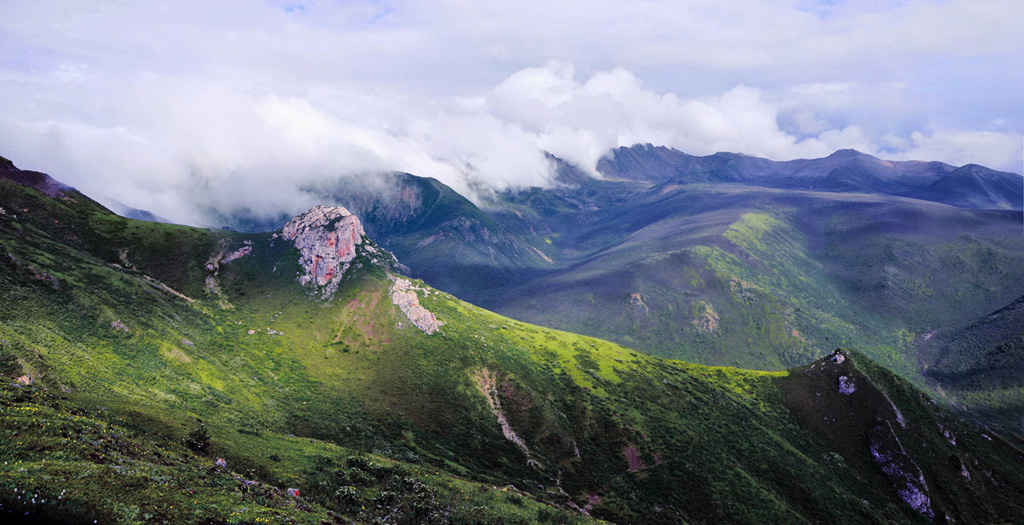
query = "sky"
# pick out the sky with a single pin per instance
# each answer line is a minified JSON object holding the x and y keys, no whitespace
{"x":180,"y":107}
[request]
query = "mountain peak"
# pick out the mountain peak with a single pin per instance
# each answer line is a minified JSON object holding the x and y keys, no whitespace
{"x":848,"y":153}
{"x":327,"y":238}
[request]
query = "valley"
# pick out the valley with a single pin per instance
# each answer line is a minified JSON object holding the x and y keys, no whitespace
{"x":137,"y":354}
{"x":722,"y":260}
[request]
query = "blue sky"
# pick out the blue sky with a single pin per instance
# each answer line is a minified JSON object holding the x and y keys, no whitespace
{"x":178,"y":106}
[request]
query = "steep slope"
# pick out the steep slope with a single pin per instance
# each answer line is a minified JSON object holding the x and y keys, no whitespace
{"x":758,"y":278}
{"x":979,"y":365}
{"x":32,"y":179}
{"x":89,"y":312}
{"x":650,"y":257}
{"x":312,"y":365}
{"x":440,"y":235}
{"x":974,"y":186}
{"x":725,"y":259}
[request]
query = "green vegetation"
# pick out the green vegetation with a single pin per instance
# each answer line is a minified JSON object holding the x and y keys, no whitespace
{"x":977,"y":367}
{"x":111,"y":356}
{"x":785,"y":272}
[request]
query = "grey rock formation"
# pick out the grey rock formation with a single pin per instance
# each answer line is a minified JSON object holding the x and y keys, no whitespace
{"x":403,"y":295}
{"x":846,"y":385}
{"x":327,"y":238}
{"x":905,"y":475}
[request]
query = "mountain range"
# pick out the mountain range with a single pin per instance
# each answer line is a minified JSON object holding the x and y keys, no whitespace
{"x":725,"y":259}
{"x":162,"y":373}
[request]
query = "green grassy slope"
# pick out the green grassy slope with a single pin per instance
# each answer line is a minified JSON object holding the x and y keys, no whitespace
{"x":758,"y":278}
{"x":136,"y":338}
{"x":717,"y":273}
{"x":978,"y":366}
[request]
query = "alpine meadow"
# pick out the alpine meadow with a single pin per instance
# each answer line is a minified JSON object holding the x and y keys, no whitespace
{"x":382,"y":262}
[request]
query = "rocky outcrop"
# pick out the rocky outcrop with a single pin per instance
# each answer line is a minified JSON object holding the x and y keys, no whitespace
{"x":238,"y":254}
{"x":706,"y":319}
{"x":846,"y":385}
{"x":327,"y":238}
{"x":487,"y":382}
{"x":905,"y":475}
{"x":221,"y":257}
{"x":403,"y":295}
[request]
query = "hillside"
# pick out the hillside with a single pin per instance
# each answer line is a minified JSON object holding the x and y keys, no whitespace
{"x":978,"y":366}
{"x":721,"y":260}
{"x":753,"y":277}
{"x":439,"y":235}
{"x":725,"y":259}
{"x":312,"y":364}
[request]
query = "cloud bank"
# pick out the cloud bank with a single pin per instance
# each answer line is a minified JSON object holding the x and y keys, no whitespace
{"x":180,"y":107}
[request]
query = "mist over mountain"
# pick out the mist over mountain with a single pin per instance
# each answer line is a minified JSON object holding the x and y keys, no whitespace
{"x":193,"y":375}
{"x":725,"y":259}
{"x":386,"y":262}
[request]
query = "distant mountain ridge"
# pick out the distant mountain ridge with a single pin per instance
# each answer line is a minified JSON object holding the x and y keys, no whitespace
{"x":970,"y":186}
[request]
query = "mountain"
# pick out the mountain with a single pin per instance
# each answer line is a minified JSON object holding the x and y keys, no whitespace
{"x":723,"y":260}
{"x":970,"y":186}
{"x":447,"y":239}
{"x":754,"y":277}
{"x":973,"y":186}
{"x":700,"y":258}
{"x":978,"y":366}
{"x":137,"y":355}
{"x":126,"y":211}
{"x":438,"y":235}
{"x":32,"y":179}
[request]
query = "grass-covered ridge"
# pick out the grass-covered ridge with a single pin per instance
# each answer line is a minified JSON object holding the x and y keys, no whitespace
{"x":730,"y":274}
{"x":373,"y":420}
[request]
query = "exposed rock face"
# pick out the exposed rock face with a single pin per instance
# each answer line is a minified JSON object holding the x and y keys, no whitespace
{"x":237,"y":254}
{"x":905,"y":475}
{"x":846,"y":385}
{"x":403,"y":295}
{"x":487,"y":383}
{"x":327,"y":238}
{"x":706,"y":319}
{"x":899,"y":415}
{"x":861,"y":417}
{"x":222,"y":257}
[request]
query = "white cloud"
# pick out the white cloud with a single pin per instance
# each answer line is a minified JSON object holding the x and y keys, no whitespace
{"x":173,"y":105}
{"x":1000,"y":150}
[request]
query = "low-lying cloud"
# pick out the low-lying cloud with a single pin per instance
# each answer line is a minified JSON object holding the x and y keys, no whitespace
{"x":181,"y":146}
{"x":189,"y":107}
